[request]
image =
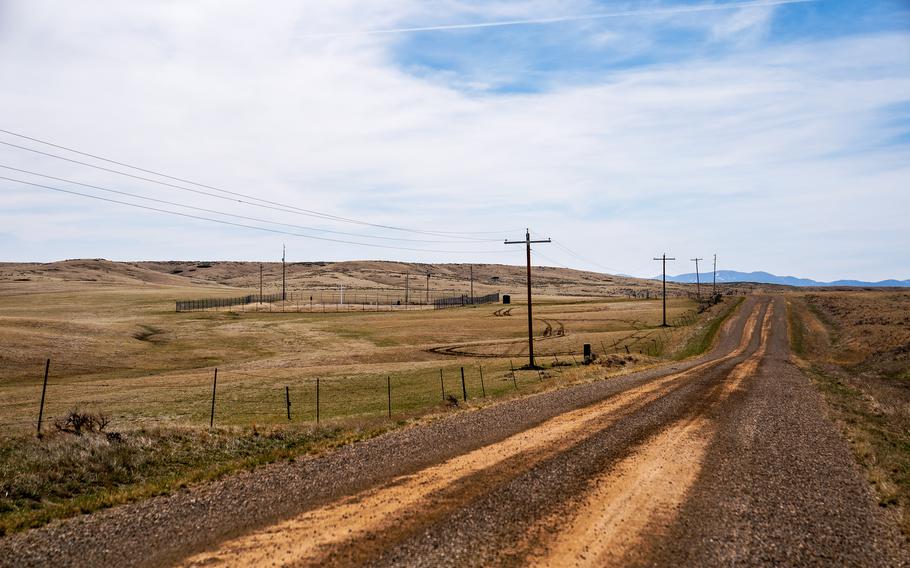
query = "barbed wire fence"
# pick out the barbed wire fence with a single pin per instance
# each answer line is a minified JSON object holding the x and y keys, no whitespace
{"x":229,"y":397}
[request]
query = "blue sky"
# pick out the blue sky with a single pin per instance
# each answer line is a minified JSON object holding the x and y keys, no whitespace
{"x":774,"y":134}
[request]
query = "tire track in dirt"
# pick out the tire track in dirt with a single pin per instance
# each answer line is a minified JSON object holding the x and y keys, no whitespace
{"x":644,"y":490}
{"x":506,"y":524}
{"x":355,"y":523}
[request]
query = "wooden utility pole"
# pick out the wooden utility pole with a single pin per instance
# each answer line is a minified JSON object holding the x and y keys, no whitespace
{"x":664,"y":259}
{"x":260,"y":282}
{"x":407,"y":277}
{"x":472,"y":284}
{"x":714,"y":287}
{"x":428,"y":287}
{"x":47,"y":368}
{"x":284,"y":295}
{"x":697,"y":279}
{"x":214,"y":387}
{"x":527,"y":242}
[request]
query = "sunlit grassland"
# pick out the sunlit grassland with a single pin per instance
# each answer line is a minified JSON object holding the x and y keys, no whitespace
{"x":124,"y":352}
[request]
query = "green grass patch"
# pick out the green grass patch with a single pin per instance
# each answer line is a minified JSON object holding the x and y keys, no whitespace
{"x":798,"y":331}
{"x":704,"y":338}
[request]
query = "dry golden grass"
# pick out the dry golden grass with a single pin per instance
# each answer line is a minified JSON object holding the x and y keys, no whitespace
{"x":857,"y":347}
{"x":117,"y":347}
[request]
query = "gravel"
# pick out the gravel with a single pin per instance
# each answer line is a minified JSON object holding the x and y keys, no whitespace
{"x":779,"y":485}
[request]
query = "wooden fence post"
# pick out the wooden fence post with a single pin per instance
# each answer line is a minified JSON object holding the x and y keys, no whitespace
{"x":214,"y":386}
{"x":317,"y":401}
{"x":287,"y":399}
{"x":464,"y":389}
{"x":483,"y":389}
{"x":442,"y":386}
{"x":389,"y":384}
{"x":47,"y":367}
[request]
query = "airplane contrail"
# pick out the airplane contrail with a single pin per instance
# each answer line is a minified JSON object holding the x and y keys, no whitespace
{"x":559,"y":19}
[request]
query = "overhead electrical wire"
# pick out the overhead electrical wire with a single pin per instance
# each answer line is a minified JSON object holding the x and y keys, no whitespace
{"x":236,"y":216}
{"x":556,"y":262}
{"x":242,"y":225}
{"x":588,"y":261}
{"x":466,"y":235}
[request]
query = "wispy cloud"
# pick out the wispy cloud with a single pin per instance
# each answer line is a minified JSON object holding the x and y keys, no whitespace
{"x":669,"y":11}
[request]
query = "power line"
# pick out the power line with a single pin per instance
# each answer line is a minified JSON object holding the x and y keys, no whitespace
{"x":233,"y":224}
{"x":294,"y":209}
{"x":556,"y":262}
{"x":566,"y":249}
{"x":236,"y":216}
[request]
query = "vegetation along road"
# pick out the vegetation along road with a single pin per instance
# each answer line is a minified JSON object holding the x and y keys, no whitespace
{"x":727,"y":459}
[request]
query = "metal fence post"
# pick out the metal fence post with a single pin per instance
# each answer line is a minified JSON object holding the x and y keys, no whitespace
{"x":464,"y":389}
{"x":442,"y":386}
{"x":483,"y":389}
{"x":389,"y":385}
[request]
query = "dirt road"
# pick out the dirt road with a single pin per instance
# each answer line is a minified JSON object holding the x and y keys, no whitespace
{"x":725,"y":460}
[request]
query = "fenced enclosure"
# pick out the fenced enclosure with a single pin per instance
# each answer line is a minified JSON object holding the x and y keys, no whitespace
{"x":465,"y":300}
{"x":338,"y":299}
{"x":209,"y":303}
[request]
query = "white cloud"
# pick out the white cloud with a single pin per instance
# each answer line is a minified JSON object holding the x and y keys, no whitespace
{"x":749,"y":147}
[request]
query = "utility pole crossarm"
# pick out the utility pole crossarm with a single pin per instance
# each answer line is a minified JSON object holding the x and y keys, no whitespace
{"x":531,"y":242}
{"x":528,"y":242}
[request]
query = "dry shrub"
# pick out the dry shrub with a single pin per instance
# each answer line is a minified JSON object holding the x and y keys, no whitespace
{"x":78,"y":423}
{"x":615,"y":360}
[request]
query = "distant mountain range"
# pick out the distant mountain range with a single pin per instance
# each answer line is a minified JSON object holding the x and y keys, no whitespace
{"x":768,"y":278}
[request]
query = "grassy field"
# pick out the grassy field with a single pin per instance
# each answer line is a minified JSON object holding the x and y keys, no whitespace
{"x":856,"y":345}
{"x":117,"y":348}
{"x":126,"y":353}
